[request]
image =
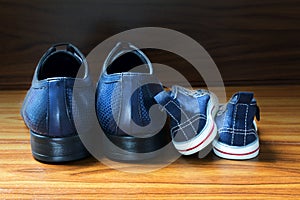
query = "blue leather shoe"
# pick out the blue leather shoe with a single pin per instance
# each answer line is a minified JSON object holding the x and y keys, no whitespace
{"x":124,"y":95}
{"x":47,"y":108}
{"x":238,"y":138}
{"x":192,"y":115}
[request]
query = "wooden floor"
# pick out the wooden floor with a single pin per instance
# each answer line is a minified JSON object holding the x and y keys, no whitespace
{"x":275,"y":173}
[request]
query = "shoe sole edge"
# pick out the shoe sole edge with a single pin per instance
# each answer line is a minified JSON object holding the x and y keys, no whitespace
{"x":206,"y":136}
{"x":235,"y":152}
{"x":55,"y":150}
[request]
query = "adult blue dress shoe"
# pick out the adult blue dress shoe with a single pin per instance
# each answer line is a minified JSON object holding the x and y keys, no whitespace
{"x":192,"y":115}
{"x":47,"y":108}
{"x":124,"y":98}
{"x":238,"y":138}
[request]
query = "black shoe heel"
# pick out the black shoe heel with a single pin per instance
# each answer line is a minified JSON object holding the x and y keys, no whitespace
{"x":53,"y":150}
{"x":132,"y":149}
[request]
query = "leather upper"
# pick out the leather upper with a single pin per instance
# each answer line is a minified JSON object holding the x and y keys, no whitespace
{"x":124,"y":94}
{"x":48,"y":105}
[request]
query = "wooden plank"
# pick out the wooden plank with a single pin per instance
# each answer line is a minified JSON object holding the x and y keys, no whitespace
{"x":274,"y":174}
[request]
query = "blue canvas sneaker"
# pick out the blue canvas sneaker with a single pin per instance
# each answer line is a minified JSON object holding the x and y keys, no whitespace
{"x":192,"y":115}
{"x":124,"y":95}
{"x":238,"y":138}
{"x":47,"y":108}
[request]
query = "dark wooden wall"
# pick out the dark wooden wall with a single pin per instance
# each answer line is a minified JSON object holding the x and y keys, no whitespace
{"x":252,"y":42}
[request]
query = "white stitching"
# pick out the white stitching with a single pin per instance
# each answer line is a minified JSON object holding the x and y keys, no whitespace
{"x":187,"y":119}
{"x":249,"y":133}
{"x":233,"y":132}
{"x":234,"y":117}
{"x":234,"y":129}
{"x":247,"y":109}
{"x":192,"y":118}
{"x":170,"y":101}
{"x":189,"y":124}
{"x":251,"y":104}
{"x":240,"y":132}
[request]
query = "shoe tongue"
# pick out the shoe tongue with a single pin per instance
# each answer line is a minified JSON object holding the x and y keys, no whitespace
{"x":242,"y":97}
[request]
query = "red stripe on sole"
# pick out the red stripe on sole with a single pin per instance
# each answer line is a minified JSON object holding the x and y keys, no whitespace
{"x":189,"y":149}
{"x":237,"y":154}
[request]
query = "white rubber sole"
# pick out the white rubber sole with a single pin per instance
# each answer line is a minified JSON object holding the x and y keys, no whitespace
{"x":235,"y":152}
{"x":206,"y":136}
